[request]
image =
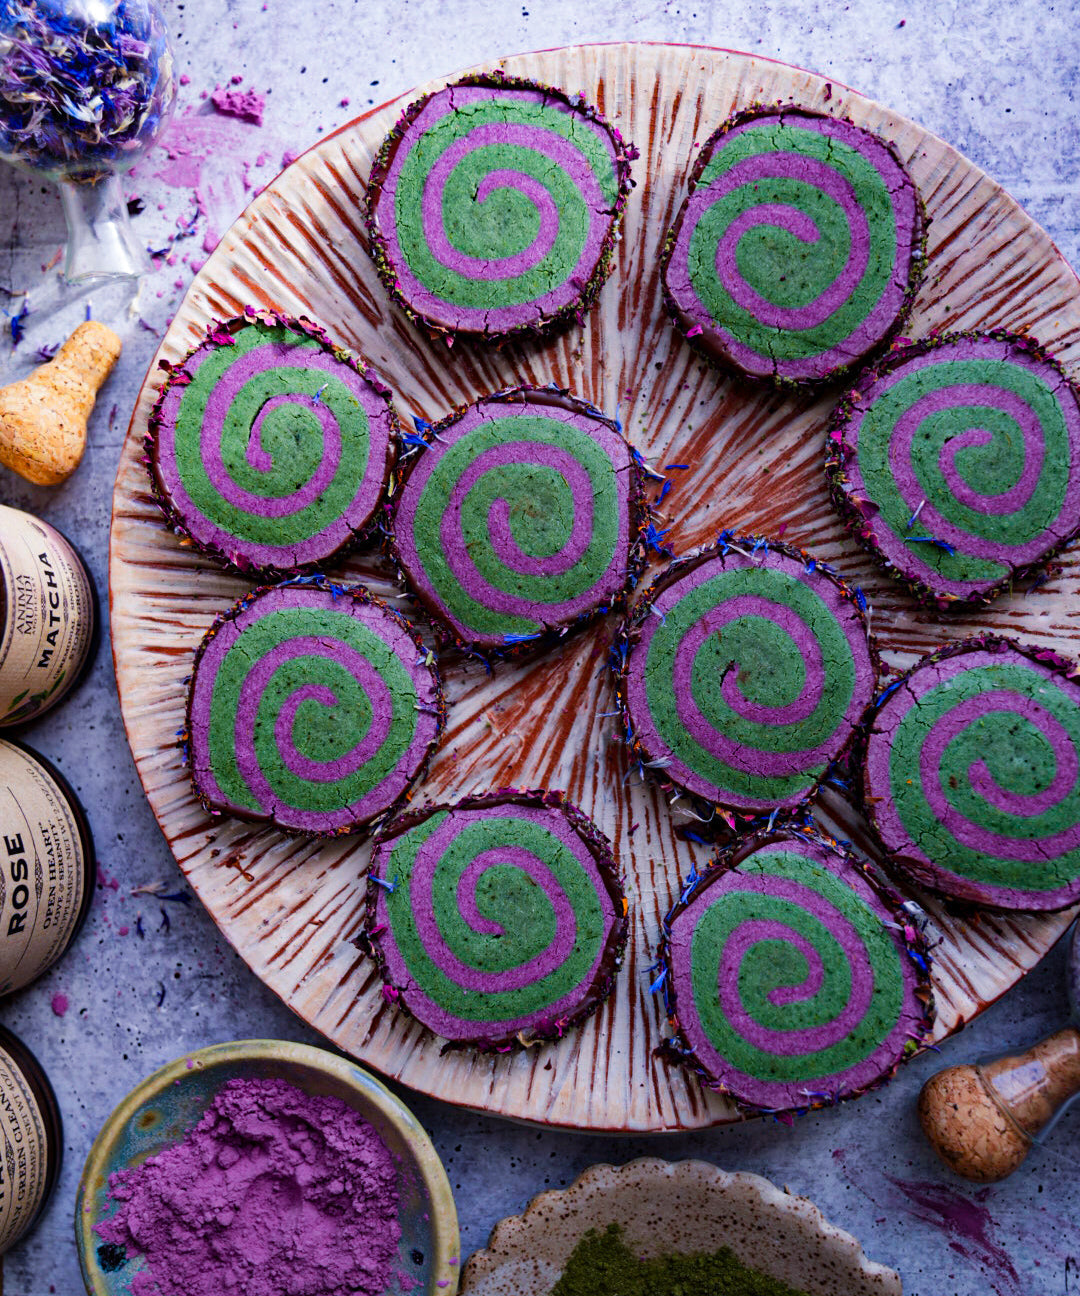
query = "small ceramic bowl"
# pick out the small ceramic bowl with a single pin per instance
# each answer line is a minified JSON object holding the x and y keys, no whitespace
{"x":679,"y":1208}
{"x":159,"y":1111}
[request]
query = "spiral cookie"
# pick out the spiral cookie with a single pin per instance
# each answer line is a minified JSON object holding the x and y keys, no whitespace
{"x":311,"y":707}
{"x":523,"y":516}
{"x":798,"y":249}
{"x":498,"y":918}
{"x":785,"y":985}
{"x":493,"y":207}
{"x":972,"y":774}
{"x":957,"y":463}
{"x":743,"y":674}
{"x":270,"y":447}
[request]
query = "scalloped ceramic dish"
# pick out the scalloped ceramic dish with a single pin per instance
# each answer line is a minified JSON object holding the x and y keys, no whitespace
{"x":166,"y":1104}
{"x":681,"y":1207}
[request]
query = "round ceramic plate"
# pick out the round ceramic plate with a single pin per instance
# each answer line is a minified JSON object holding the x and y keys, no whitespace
{"x":680,"y":1208}
{"x":753,"y":461}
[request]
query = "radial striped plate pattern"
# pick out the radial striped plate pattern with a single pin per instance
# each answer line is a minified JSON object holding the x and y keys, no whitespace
{"x":291,"y":906}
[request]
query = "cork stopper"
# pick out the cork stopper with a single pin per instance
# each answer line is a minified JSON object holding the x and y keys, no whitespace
{"x":966,"y":1127}
{"x":982,"y":1120}
{"x":43,"y":417}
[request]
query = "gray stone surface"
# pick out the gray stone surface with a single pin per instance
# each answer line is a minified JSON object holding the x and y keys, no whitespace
{"x":997,"y":79}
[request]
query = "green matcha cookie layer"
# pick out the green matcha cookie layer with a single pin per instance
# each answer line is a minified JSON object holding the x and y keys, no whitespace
{"x":743,"y":674}
{"x":499,"y":918}
{"x":312,"y":707}
{"x":957,"y":464}
{"x":972,"y":775}
{"x":523,"y":516}
{"x":269,"y":446}
{"x":493,"y":206}
{"x":798,"y":249}
{"x":791,"y":982}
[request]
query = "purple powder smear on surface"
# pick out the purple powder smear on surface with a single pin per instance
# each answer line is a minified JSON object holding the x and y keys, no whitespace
{"x":962,"y":1216}
{"x":273,"y":1193}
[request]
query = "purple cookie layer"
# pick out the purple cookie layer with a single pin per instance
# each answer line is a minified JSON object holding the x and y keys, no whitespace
{"x":513,"y":604}
{"x":544,"y":312}
{"x":257,"y":672}
{"x":971,"y":774}
{"x":855,"y":945}
{"x":280,"y":528}
{"x":425,"y":975}
{"x":714,"y":185}
{"x":883,"y":446}
{"x":727,"y":739}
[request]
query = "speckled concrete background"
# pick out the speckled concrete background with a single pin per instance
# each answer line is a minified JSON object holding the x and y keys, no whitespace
{"x":997,"y":79}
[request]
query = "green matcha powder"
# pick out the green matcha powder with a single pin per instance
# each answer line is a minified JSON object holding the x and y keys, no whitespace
{"x":602,"y":1265}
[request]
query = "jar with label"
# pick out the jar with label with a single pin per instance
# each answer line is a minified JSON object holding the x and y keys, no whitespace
{"x":48,"y":616}
{"x":31,"y":1140}
{"x":47,"y":865}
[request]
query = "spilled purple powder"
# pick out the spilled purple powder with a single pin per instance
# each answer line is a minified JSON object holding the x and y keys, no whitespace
{"x":273,"y":1193}
{"x":248,"y":105}
{"x":962,"y":1217}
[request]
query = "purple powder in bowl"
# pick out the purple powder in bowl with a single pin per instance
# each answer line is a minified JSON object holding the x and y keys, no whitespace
{"x":275,"y":1192}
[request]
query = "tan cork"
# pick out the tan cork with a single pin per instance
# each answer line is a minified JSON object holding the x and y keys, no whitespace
{"x":966,"y":1127}
{"x":43,"y":417}
{"x":981,"y":1120}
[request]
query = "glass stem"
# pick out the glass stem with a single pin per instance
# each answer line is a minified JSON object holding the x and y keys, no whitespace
{"x":101,"y":242}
